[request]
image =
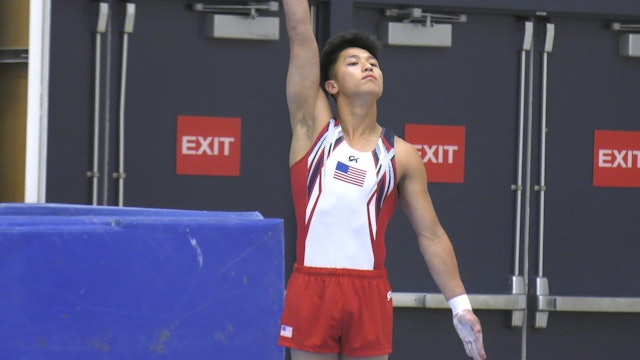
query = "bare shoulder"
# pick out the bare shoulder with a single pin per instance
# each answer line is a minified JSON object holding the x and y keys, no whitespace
{"x":408,"y":160}
{"x":412,"y":186}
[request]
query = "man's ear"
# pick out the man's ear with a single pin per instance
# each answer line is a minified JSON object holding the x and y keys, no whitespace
{"x":331,"y":87}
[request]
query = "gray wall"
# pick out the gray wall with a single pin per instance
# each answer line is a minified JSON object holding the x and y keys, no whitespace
{"x":590,"y":233}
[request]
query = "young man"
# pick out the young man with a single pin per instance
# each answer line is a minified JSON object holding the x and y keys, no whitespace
{"x":347,"y":173}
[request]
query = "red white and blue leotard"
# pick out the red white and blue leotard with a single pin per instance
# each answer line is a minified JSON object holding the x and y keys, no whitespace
{"x":343,"y":200}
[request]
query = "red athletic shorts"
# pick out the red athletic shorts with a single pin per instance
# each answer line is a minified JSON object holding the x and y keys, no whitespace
{"x":337,"y":311}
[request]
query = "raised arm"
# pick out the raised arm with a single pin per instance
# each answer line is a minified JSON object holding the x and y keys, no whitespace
{"x":309,"y":108}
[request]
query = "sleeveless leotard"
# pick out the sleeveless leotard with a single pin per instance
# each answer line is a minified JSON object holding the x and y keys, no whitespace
{"x":343,"y":200}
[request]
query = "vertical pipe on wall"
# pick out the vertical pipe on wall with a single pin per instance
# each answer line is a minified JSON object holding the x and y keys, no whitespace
{"x":128,"y":29}
{"x":548,"y":47}
{"x":542,"y":284}
{"x":517,"y":281}
{"x":103,"y":15}
{"x":527,"y":191}
{"x":107,"y":116}
{"x":35,"y":172}
{"x":541,"y":188}
{"x":528,"y":35}
{"x":313,"y":13}
{"x":44,"y":100}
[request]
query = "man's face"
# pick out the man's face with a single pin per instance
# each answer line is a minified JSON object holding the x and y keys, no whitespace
{"x":356,"y":73}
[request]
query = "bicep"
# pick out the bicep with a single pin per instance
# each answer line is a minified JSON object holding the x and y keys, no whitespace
{"x":414,"y":195}
{"x":303,"y":76}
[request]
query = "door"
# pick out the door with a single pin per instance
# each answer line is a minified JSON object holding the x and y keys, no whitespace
{"x":571,"y":80}
{"x":472,"y":84}
{"x":589,"y":231}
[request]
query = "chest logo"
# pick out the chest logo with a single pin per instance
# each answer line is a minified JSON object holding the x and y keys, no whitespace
{"x":349,"y":174}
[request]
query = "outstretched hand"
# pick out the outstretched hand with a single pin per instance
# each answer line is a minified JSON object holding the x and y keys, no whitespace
{"x":468,"y":327}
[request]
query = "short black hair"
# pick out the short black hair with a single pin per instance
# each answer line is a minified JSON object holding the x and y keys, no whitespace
{"x":347,"y":39}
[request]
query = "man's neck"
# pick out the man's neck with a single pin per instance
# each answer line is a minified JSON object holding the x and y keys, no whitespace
{"x":359,"y":125}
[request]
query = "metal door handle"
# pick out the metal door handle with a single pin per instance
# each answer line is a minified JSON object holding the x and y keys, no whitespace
{"x":478,"y":301}
{"x":588,"y":304}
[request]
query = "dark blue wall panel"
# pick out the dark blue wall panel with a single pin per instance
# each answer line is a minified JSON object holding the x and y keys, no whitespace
{"x":108,"y":283}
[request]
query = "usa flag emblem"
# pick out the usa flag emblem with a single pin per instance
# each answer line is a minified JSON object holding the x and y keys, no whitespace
{"x":349,"y":174}
{"x":286,"y":331}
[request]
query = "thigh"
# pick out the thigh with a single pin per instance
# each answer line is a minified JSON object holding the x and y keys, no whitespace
{"x":311,"y":319}
{"x":368,"y":319}
{"x":303,"y":355}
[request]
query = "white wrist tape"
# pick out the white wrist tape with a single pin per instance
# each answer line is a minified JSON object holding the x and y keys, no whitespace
{"x":459,"y":303}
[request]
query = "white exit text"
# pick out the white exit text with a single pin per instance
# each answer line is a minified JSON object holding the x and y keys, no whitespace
{"x":211,"y":145}
{"x":611,"y":158}
{"x":437,"y":154}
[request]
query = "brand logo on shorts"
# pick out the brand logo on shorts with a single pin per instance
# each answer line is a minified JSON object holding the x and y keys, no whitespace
{"x":389,"y":296}
{"x":286,"y":331}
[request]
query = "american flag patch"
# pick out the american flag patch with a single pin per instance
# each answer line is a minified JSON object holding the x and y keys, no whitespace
{"x":349,"y":174}
{"x":286,"y":331}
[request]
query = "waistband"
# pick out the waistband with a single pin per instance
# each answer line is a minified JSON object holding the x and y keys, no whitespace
{"x":375,"y":273}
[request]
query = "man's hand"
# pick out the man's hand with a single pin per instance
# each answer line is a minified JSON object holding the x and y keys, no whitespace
{"x":468,"y":327}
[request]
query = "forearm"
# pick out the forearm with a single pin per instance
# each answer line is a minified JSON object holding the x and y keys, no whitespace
{"x":302,"y":41}
{"x":441,"y":261}
{"x":303,"y":75}
{"x":298,"y":18}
